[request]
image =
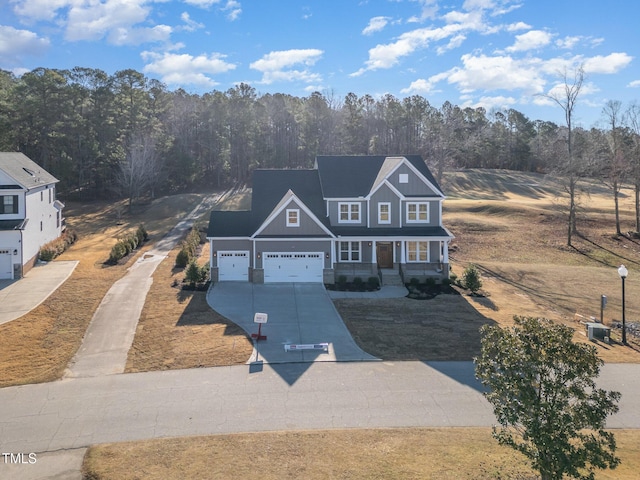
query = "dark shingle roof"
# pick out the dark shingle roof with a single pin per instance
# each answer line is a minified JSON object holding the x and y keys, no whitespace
{"x":24,"y":171}
{"x":269,"y":186}
{"x":12,"y":224}
{"x":353,"y":176}
{"x":230,"y":224}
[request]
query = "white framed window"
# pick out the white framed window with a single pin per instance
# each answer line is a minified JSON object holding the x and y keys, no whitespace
{"x":417,"y":212}
{"x":403,"y":178}
{"x":293,"y":217}
{"x":348,"y":212}
{"x":384,"y":212}
{"x":417,"y":252}
{"x":349,"y":251}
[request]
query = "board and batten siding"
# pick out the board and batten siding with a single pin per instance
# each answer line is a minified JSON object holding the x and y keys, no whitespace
{"x":384,"y":195}
{"x":415,"y":186}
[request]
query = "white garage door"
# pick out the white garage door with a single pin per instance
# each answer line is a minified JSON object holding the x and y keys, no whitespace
{"x":5,"y":263}
{"x":293,"y":267}
{"x":233,"y":266}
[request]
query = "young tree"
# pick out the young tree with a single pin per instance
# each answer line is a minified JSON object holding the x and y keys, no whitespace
{"x":633,"y":119}
{"x":543,"y":392}
{"x":566,"y":96}
{"x":471,"y":278}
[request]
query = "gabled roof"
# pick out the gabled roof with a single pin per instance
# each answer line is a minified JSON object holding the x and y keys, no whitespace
{"x":24,"y":171}
{"x":344,"y":176}
{"x":223,"y":223}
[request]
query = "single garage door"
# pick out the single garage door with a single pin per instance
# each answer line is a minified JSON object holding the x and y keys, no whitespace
{"x":233,"y":266}
{"x":293,"y":267}
{"x":5,"y":263}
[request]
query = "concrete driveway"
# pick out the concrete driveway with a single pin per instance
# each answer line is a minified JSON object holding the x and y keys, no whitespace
{"x":298,"y":314}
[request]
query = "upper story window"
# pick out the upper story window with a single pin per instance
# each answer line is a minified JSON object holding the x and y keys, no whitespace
{"x":403,"y":178}
{"x":293,"y":217}
{"x":348,"y":212}
{"x":417,"y":212}
{"x":8,"y":204}
{"x":384,"y":212}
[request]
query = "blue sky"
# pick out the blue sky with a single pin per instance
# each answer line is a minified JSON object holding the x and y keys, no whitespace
{"x":489,"y":53}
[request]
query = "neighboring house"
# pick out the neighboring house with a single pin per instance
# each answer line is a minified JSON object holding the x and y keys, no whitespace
{"x":350,"y":215}
{"x":30,"y":215}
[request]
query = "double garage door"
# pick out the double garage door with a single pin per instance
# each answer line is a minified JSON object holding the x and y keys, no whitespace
{"x":5,"y":264}
{"x":278,"y":266}
{"x":293,"y":267}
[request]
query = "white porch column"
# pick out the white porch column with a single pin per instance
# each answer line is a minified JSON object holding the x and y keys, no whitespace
{"x":445,"y":253}
{"x":333,"y":253}
{"x":374,"y":255}
{"x":403,"y":258}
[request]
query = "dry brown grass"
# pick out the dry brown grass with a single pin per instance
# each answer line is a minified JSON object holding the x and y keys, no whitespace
{"x":443,"y":328}
{"x":415,"y":453}
{"x":178,"y":329}
{"x":38,"y":346}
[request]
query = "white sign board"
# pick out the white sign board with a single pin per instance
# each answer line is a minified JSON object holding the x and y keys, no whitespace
{"x":307,"y":346}
{"x":260,"y":318}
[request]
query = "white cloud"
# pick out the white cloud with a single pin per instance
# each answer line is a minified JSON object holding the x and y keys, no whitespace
{"x":185,"y":69}
{"x":233,"y":8}
{"x":202,"y":3}
{"x":375,"y":25}
{"x":612,"y":63}
{"x":95,"y":21}
{"x":455,"y":42}
{"x":420,"y":86}
{"x":190,"y":25}
{"x":634,"y":84}
{"x":489,"y":102}
{"x":275,"y":66}
{"x":34,"y":10}
{"x":529,"y":41}
{"x":515,"y":27}
{"x":497,"y":73}
{"x":428,"y":10}
{"x":17,"y":43}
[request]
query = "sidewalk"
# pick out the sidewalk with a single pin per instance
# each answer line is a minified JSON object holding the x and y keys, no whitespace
{"x":18,"y":297}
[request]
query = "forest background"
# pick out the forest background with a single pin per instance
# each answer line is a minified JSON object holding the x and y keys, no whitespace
{"x":127,"y":136}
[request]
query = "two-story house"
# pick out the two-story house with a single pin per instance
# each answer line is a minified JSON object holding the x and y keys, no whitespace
{"x":30,"y":215}
{"x":350,"y":215}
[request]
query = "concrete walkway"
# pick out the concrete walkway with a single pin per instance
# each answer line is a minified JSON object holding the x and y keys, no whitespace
{"x":18,"y":297}
{"x":76,"y":413}
{"x":110,"y":334}
{"x":298,"y":313}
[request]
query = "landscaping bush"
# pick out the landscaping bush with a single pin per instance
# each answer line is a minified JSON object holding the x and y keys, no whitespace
{"x":471,"y":279}
{"x":124,"y":247}
{"x":142,"y":234}
{"x":195,"y":274}
{"x":189,"y":248}
{"x":182,"y":259}
{"x":430,"y":282}
{"x":374,"y":282}
{"x":414,"y":282}
{"x":358,"y":283}
{"x":447,"y":282}
{"x":56,"y":247}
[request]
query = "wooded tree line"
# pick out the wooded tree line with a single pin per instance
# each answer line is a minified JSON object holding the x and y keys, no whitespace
{"x":128,"y":135}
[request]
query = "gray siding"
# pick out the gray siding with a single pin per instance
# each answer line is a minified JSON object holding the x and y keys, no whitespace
{"x":384,"y":194}
{"x":333,"y":213}
{"x":415,"y":186}
{"x":324,"y":246}
{"x":278,"y":225}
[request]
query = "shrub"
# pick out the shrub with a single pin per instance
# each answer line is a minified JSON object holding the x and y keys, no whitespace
{"x":195,"y":274}
{"x":471,"y":278}
{"x":56,"y":247}
{"x":414,"y":282}
{"x":374,"y":282}
{"x":446,"y":282}
{"x":342,"y":279}
{"x":123,"y":247}
{"x":182,"y":259}
{"x":430,"y":282}
{"x":142,"y":234}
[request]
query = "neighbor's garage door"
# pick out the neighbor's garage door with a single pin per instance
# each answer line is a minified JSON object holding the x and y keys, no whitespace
{"x":5,"y":264}
{"x":233,"y":266}
{"x":293,"y":267}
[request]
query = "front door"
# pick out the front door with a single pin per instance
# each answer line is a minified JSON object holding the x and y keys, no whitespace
{"x":384,"y":253}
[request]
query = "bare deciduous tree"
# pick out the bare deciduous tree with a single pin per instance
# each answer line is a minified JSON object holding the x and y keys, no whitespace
{"x":566,"y":96}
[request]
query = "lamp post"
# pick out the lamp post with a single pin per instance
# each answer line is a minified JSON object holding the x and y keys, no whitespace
{"x":623,"y":272}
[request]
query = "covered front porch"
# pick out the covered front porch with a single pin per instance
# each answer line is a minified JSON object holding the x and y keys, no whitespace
{"x":406,"y":257}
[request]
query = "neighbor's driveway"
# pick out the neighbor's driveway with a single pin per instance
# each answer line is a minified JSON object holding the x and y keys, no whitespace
{"x":299,"y":313}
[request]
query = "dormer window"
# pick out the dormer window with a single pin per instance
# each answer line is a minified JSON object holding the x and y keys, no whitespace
{"x":348,"y":212}
{"x":293,"y":217}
